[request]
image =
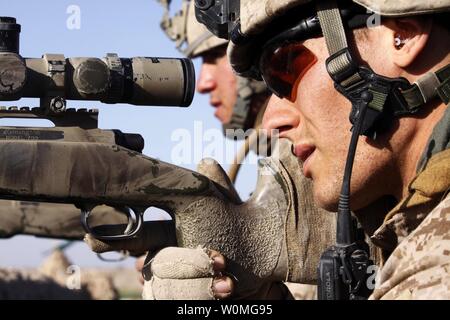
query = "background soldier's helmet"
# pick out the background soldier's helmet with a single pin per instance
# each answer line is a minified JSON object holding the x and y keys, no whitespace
{"x":193,"y":39}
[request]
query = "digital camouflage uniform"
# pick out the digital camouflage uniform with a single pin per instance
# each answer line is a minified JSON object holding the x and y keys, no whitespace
{"x":415,"y":235}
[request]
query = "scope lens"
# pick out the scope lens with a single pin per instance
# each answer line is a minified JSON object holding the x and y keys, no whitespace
{"x":189,"y":82}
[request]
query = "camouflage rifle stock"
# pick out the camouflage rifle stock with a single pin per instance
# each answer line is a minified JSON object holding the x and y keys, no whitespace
{"x":53,"y":79}
{"x":74,"y":134}
{"x":57,"y":165}
{"x":50,"y":220}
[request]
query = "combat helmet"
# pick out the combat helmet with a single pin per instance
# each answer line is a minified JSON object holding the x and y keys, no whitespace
{"x":265,"y":22}
{"x":191,"y":38}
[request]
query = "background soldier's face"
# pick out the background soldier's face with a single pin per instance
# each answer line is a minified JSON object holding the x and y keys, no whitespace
{"x":217,"y":78}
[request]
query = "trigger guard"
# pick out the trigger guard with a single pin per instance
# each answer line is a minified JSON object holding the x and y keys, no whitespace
{"x":134,"y":225}
{"x":84,"y":220}
{"x":136,"y":220}
{"x":131,"y":221}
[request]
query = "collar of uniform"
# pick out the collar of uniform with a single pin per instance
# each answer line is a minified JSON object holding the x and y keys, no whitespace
{"x":439,"y":140}
{"x":426,"y":190}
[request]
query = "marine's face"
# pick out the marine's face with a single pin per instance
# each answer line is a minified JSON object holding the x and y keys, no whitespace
{"x":217,"y":78}
{"x":316,"y":119}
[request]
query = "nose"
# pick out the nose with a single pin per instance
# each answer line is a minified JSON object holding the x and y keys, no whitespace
{"x":281,"y":115}
{"x":206,"y":81}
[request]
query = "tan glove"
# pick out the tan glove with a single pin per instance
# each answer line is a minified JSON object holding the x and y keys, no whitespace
{"x":198,"y":274}
{"x":182,"y":273}
{"x":263,"y":241}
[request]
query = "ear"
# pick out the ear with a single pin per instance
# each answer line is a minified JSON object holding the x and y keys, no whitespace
{"x":409,"y":37}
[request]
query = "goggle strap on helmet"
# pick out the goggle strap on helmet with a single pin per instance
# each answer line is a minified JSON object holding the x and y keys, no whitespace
{"x":332,"y":27}
{"x":340,"y":64}
{"x":349,"y":78}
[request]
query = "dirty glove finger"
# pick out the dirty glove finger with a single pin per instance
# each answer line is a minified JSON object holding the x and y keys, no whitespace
{"x":181,"y":273}
{"x":153,"y":236}
{"x":184,"y":263}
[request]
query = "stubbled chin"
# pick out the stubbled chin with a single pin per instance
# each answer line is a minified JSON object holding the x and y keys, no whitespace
{"x":325,"y":199}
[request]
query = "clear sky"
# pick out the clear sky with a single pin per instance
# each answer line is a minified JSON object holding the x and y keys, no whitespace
{"x":128,"y":28}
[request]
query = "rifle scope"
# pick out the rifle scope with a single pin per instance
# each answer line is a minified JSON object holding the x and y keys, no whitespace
{"x":147,"y":81}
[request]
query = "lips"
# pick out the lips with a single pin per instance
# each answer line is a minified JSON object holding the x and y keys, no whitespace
{"x":304,"y":152}
{"x":215,"y":103}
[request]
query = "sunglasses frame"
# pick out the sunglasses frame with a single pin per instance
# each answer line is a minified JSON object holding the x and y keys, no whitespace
{"x":308,"y":28}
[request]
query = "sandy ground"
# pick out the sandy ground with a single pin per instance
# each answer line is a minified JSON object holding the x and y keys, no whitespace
{"x":58,"y":278}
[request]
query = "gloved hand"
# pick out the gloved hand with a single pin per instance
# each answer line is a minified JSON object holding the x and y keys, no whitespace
{"x":246,"y":249}
{"x":199,"y":274}
{"x":184,"y":273}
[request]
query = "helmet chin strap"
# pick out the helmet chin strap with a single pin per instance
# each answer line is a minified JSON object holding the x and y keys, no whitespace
{"x":376,"y":101}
